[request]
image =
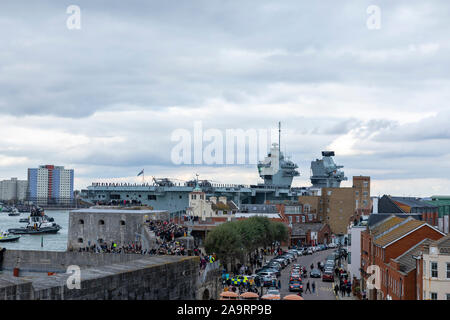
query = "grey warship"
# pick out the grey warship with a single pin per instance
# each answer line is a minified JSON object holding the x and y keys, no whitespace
{"x":276,"y":171}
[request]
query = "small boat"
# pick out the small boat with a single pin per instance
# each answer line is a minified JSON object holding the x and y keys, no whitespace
{"x":14,"y":213}
{"x":37,"y":228}
{"x":38,"y":223}
{"x":24,"y":220}
{"x":6,"y":237}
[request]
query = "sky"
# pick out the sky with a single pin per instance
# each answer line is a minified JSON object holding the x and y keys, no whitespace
{"x":106,"y":99}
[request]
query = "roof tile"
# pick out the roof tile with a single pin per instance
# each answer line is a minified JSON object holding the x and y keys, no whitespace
{"x":398,"y":232}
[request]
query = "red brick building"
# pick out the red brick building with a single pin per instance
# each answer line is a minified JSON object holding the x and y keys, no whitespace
{"x":385,"y":245}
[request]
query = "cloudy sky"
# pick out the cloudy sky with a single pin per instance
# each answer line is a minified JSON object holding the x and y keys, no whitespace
{"x":105,"y":99}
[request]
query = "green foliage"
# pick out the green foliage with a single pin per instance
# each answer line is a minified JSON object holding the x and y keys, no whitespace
{"x":224,"y":241}
{"x":233,"y":239}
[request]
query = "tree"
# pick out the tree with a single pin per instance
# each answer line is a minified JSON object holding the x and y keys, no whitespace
{"x":225,"y":242}
{"x":240,"y":238}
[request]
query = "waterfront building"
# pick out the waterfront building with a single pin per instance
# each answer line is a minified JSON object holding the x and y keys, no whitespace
{"x":13,"y":190}
{"x":50,"y":185}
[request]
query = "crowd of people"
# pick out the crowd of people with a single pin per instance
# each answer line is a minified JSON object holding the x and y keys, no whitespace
{"x":167,"y":230}
{"x":345,"y":285}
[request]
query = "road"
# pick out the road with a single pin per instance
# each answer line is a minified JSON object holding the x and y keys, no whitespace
{"x":323,"y":290}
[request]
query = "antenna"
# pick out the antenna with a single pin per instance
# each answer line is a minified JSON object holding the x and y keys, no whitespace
{"x":279,"y":136}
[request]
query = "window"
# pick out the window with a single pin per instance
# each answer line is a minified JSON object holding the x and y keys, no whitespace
{"x":433,"y":295}
{"x":448,"y":270}
{"x":434,"y":269}
{"x":80,"y":240}
{"x":366,"y":184}
{"x":151,"y":197}
{"x":101,"y":222}
{"x":298,"y":219}
{"x":122,"y":222}
{"x":81,"y":221}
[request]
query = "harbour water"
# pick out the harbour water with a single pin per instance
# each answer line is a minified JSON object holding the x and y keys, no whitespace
{"x":51,"y":242}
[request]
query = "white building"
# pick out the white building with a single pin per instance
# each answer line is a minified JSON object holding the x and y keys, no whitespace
{"x":354,"y":247}
{"x":435,"y":264}
{"x":204,"y":208}
{"x":13,"y":190}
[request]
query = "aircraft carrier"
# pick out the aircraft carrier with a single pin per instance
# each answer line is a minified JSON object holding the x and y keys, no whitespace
{"x":276,"y":171}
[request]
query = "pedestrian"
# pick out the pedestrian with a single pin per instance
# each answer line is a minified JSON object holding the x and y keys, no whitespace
{"x":342,"y":291}
{"x":279,"y":284}
{"x":349,"y":290}
{"x":307,"y":287}
{"x":313,"y":285}
{"x":336,"y":289}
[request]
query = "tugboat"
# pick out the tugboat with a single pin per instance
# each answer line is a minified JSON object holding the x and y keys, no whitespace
{"x":39,"y":223}
{"x":6,"y":237}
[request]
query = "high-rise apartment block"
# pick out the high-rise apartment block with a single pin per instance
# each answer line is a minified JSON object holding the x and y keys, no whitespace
{"x":49,"y":184}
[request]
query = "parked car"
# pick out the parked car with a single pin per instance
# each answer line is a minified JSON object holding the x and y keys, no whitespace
{"x":328,"y":275}
{"x":267,"y":273}
{"x":310,"y":251}
{"x":282,"y":262}
{"x":266,"y":280}
{"x":270,"y":270}
{"x":274,"y":265}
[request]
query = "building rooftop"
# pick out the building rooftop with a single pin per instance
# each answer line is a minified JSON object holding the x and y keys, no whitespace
{"x":413,"y":202}
{"x":442,"y":244}
{"x":406,"y":261}
{"x":385,"y":224}
{"x":399,"y":231}
{"x":268,"y":208}
{"x":376,"y":218}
